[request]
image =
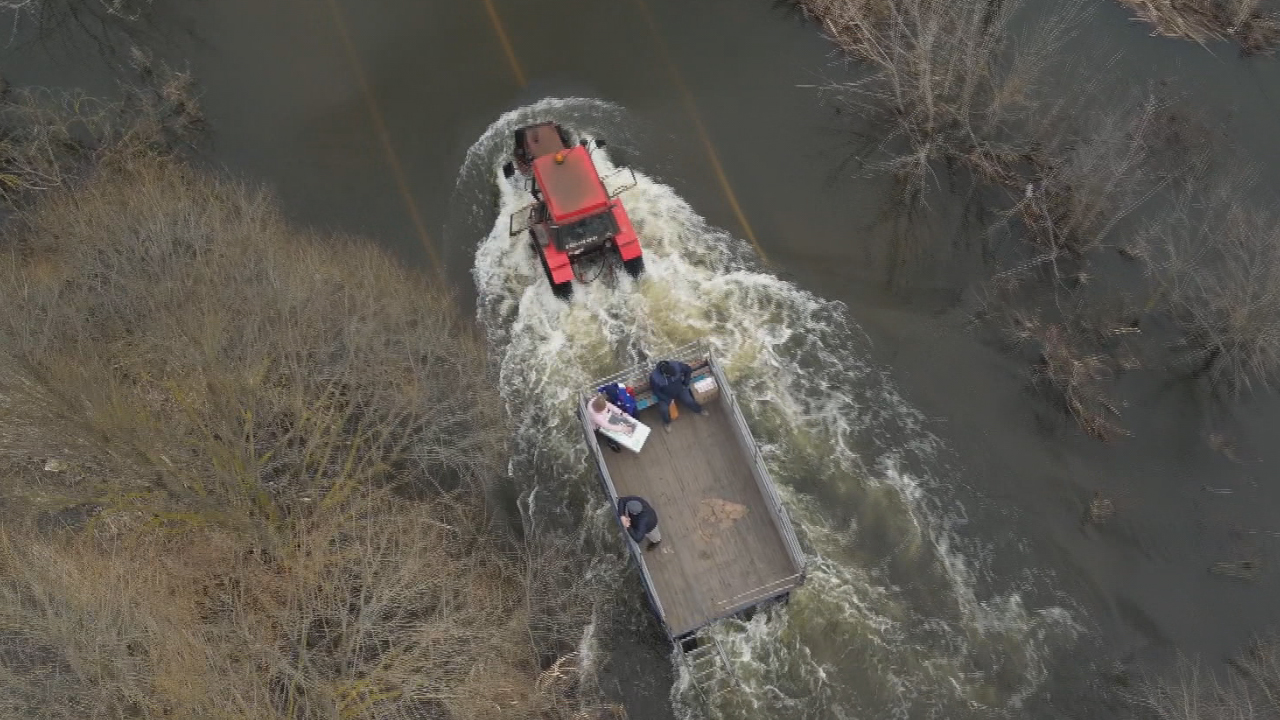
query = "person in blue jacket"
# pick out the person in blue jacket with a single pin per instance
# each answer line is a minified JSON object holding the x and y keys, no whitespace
{"x":669,"y":382}
{"x":620,"y":396}
{"x":640,"y":520}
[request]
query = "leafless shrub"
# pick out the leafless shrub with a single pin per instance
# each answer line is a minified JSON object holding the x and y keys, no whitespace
{"x":1084,"y":180}
{"x":944,"y":77}
{"x":1250,"y":692}
{"x":181,"y":324}
{"x":38,"y":8}
{"x":851,"y":24}
{"x":1076,"y":378}
{"x":1100,"y":509}
{"x":374,"y":607}
{"x":104,"y":22}
{"x":1256,"y":30}
{"x":48,"y":138}
{"x":1075,"y":342}
{"x":252,"y":408}
{"x":1216,"y":262}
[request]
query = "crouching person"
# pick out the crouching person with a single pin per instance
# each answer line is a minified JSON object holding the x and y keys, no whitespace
{"x":669,"y":383}
{"x":640,"y":520}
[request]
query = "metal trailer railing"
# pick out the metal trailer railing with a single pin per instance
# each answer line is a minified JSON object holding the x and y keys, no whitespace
{"x":707,"y":652}
{"x":781,"y":518}
{"x":696,"y":351}
{"x":612,"y":493}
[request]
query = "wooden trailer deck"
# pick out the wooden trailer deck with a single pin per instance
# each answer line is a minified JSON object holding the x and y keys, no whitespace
{"x":727,"y":544}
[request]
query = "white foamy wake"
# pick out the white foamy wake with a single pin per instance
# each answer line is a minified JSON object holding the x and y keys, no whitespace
{"x":894,"y":620}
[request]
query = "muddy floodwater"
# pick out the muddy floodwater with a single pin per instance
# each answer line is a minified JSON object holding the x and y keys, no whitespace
{"x":952,"y":573}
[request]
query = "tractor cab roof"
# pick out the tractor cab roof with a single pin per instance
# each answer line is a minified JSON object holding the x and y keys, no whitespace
{"x":542,"y":139}
{"x":569,"y":182}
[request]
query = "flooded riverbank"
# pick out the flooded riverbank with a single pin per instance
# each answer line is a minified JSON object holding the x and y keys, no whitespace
{"x":324,"y":102}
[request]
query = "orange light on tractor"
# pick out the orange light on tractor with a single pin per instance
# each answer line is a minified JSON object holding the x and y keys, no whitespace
{"x":560,"y":158}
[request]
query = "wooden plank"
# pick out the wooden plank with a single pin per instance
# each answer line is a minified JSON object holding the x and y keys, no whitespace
{"x":710,"y":561}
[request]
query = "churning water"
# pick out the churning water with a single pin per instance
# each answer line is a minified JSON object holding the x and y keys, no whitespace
{"x":900,"y":616}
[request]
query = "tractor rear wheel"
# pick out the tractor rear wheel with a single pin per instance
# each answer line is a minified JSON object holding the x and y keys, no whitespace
{"x":563,"y":290}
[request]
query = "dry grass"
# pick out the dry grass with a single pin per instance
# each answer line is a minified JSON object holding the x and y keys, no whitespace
{"x":1251,"y":691}
{"x":1244,"y":21}
{"x":287,"y":443}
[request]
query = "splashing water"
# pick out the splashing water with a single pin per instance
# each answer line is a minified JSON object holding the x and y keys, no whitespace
{"x":894,"y":620}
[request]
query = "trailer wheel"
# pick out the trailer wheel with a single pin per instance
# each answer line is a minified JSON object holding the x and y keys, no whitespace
{"x":634,"y":266}
{"x":688,"y":642}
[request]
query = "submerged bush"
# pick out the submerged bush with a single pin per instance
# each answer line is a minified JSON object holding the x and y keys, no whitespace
{"x":1250,"y":691}
{"x":49,"y":137}
{"x":942,"y":80}
{"x":950,"y":94}
{"x":1247,"y":22}
{"x":1215,"y":259}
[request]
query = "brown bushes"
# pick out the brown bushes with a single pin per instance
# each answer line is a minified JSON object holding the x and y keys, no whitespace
{"x":187,"y":330}
{"x":287,"y":444}
{"x":1076,"y":377}
{"x":374,"y":607}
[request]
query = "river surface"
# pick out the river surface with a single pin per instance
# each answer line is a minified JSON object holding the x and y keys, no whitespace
{"x":940,"y":503}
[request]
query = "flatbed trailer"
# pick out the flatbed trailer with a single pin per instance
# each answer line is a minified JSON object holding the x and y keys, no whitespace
{"x":728,"y":545}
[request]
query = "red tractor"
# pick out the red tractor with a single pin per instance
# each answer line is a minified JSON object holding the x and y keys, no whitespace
{"x":574,"y":221}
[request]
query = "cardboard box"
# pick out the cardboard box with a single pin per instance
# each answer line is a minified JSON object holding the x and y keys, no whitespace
{"x":705,"y":390}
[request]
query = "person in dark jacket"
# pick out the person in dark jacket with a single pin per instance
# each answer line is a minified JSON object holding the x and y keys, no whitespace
{"x":669,"y":382}
{"x":640,"y":520}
